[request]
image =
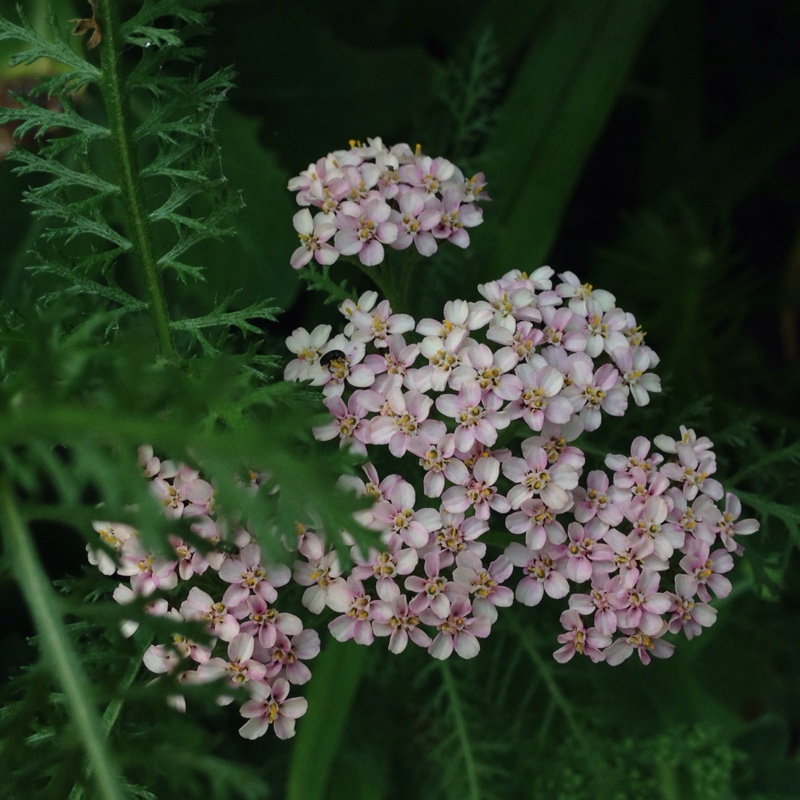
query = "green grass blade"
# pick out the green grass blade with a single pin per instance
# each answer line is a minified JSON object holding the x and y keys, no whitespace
{"x":337,"y":674}
{"x":564,"y":91}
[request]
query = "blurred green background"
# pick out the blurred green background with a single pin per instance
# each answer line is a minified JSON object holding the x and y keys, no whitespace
{"x":652,"y":148}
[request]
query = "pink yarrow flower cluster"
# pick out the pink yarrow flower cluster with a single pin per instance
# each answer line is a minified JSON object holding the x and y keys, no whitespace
{"x":636,"y":551}
{"x":251,"y":644}
{"x":356,"y":202}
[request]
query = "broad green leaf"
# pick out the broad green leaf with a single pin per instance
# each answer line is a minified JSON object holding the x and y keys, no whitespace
{"x":319,"y":91}
{"x":337,"y":674}
{"x":256,"y":260}
{"x":563,"y":93}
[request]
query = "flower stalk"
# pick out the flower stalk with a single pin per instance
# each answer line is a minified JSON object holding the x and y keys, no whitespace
{"x":43,"y":603}
{"x":137,"y":222}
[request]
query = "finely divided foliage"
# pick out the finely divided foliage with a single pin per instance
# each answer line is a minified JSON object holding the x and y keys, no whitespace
{"x":166,"y":193}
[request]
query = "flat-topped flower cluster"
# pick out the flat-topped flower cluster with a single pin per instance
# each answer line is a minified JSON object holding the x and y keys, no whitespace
{"x":372,"y":195}
{"x":473,"y":419}
{"x":483,"y":407}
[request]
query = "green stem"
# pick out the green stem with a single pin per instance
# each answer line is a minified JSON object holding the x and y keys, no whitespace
{"x":461,"y":730}
{"x":547,"y":677}
{"x":43,"y":603}
{"x":111,"y":714}
{"x":383,"y":283}
{"x":137,"y":221}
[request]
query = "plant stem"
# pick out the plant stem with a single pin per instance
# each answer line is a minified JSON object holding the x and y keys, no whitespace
{"x":553,"y":688}
{"x":383,"y":283}
{"x":137,"y":221}
{"x":111,"y":714}
{"x":43,"y":603}
{"x":461,"y":730}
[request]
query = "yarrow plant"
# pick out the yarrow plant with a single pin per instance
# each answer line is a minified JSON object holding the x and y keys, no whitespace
{"x":474,"y":420}
{"x":422,"y":467}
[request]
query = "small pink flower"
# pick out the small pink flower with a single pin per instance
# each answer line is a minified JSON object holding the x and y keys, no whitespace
{"x":314,"y":235}
{"x":434,"y":591}
{"x":217,"y":616}
{"x":458,"y":316}
{"x":392,"y":366}
{"x":443,"y":357}
{"x":640,"y":606}
{"x":401,"y":627}
{"x":459,"y":632}
{"x":318,"y":575}
{"x":645,"y":645}
{"x":358,"y":611}
{"x":597,"y":602}
{"x":408,"y":423}
{"x":364,"y":229}
{"x":584,"y":548}
{"x":538,"y":523}
{"x":490,"y":372}
{"x":706,"y":569}
{"x":414,"y":222}
{"x":265,"y":624}
{"x":640,"y":458}
{"x":693,"y":471}
{"x":474,"y":422}
{"x":378,"y":324}
{"x":480,"y":493}
{"x":284,"y":658}
{"x":384,"y":566}
{"x":458,"y":534}
{"x":348,"y":423}
{"x":398,"y":517}
{"x":271,"y":706}
{"x":728,"y":529}
{"x":539,"y":399}
{"x":523,"y":341}
{"x":632,"y":554}
{"x":578,"y":294}
{"x":146,"y":572}
{"x":633,"y":363}
{"x":578,"y":639}
{"x":507,"y":306}
{"x":648,"y":521}
{"x":595,"y":501}
{"x":427,"y":173}
{"x":341,"y":365}
{"x":247,"y":576}
{"x":534,"y":477}
{"x":541,"y":573}
{"x":485,"y":584}
{"x":604,"y":390}
{"x":455,"y":218}
{"x":604,"y":329}
{"x":562,"y":329}
{"x":114,"y":535}
{"x":308,"y":347}
{"x":239,"y":669}
{"x":440,"y":464}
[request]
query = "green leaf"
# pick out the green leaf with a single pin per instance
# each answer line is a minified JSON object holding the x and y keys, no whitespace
{"x":41,"y":47}
{"x":337,"y":674}
{"x":564,"y":91}
{"x":257,"y":259}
